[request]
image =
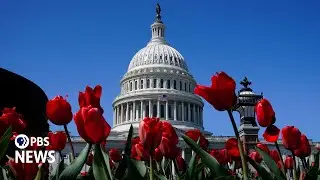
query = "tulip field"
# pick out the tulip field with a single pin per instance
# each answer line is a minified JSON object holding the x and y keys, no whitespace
{"x":155,"y":154}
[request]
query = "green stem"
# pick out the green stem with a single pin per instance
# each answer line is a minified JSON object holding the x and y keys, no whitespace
{"x":151,"y":169}
{"x":240,"y":146}
{"x":175,"y":164}
{"x":294,"y":166}
{"x":282,"y":164}
{"x":69,"y":139}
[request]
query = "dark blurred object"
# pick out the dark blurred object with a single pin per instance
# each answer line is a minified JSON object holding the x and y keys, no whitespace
{"x":28,"y":98}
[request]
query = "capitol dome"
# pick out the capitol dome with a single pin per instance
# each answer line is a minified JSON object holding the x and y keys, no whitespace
{"x":157,"y":84}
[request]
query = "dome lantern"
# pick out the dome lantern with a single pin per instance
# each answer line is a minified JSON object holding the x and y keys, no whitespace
{"x":157,"y":29}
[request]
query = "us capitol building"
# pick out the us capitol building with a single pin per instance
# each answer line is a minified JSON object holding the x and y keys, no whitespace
{"x":159,"y":84}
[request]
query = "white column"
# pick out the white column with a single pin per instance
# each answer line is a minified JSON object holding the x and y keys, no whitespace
{"x":144,"y":83}
{"x":141,"y":110}
{"x":114,"y":116}
{"x":121,"y":115}
{"x":172,"y":84}
{"x":118,"y":114}
{"x":167,"y":110}
{"x":151,"y":82}
{"x":158,"y":82}
{"x":182,"y":112}
{"x":127,"y":113}
{"x":131,"y":113}
{"x":150,"y":108}
{"x":158,"y":109}
{"x":189,"y":112}
{"x":194,"y":113}
{"x":174,"y":110}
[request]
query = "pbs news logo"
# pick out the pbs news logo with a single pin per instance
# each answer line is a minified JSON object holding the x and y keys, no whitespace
{"x":30,"y":156}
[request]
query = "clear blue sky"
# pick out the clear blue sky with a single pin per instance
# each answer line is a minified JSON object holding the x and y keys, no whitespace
{"x":65,"y":45}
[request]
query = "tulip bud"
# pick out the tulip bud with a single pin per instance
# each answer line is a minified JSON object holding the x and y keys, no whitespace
{"x":58,"y":111}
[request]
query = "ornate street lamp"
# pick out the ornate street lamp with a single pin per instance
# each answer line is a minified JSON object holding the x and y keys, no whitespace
{"x":246,"y":102}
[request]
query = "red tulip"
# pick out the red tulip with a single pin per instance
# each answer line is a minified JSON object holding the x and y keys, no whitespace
{"x":134,"y":153}
{"x":271,"y":133}
{"x":10,"y":117}
{"x":195,"y":134}
{"x":265,"y":113}
{"x":115,"y":155}
{"x":304,"y":149}
{"x":274,"y":154}
{"x":288,"y":163}
{"x":169,"y":141}
{"x":256,"y":156}
{"x":291,"y":137}
{"x":90,"y":159}
{"x":58,"y":111}
{"x":263,"y":147}
{"x":221,"y":94}
{"x":23,"y":171}
{"x":157,"y":155}
{"x":57,"y":140}
{"x":181,"y":163}
{"x":232,"y":147}
{"x":141,"y":153}
{"x":150,"y":133}
{"x":221,"y":155}
{"x":91,"y":125}
{"x":83,"y":174}
{"x":91,"y":97}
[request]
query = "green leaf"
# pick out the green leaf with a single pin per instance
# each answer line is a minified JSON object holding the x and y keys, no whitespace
{"x":106,"y":161}
{"x":72,"y":171}
{"x":206,"y":158}
{"x":160,"y":176}
{"x":121,"y":169}
{"x":192,"y":167}
{"x":39,"y":174}
{"x":136,"y":169}
{"x":312,"y":173}
{"x":265,"y":175}
{"x":100,"y":169}
{"x":226,"y":178}
{"x":127,"y":149}
{"x":164,"y":164}
{"x":58,"y":170}
{"x":4,"y":142}
{"x":271,"y":164}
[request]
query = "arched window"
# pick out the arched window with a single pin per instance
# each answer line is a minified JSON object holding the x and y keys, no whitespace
{"x":141,"y":84}
{"x":161,"y":83}
{"x":131,"y":86}
{"x":185,"y":86}
{"x":174,"y":84}
{"x":169,"y":111}
{"x":135,"y":85}
{"x":148,"y":83}
{"x":154,"y":83}
{"x":168,"y":84}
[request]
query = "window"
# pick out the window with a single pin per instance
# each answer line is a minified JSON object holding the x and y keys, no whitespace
{"x":148,"y":83}
{"x":161,"y":111}
{"x":180,"y":85}
{"x":131,"y":86}
{"x":154,"y":111}
{"x":141,"y":84}
{"x":189,"y":87}
{"x":185,"y":86}
{"x":161,"y":83}
{"x":174,"y":84}
{"x":168,"y":84}
{"x":147,"y":111}
{"x":154,"y":83}
{"x":135,"y":85}
{"x":169,"y":111}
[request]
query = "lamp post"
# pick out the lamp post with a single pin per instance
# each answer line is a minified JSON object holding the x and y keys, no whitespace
{"x":246,"y":101}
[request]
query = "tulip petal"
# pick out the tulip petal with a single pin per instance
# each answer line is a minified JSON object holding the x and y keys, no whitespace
{"x":97,"y":91}
{"x":271,"y":133}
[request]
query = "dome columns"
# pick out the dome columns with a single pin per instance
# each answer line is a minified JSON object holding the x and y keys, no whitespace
{"x":163,"y":108}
